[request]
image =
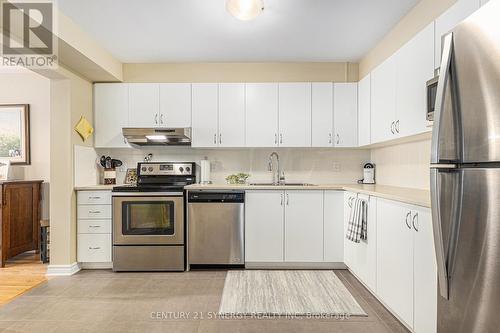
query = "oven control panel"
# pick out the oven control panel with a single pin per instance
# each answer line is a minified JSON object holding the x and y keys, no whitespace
{"x":165,"y":169}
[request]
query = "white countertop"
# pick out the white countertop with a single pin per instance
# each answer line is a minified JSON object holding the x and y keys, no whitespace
{"x":99,"y":187}
{"x":403,"y":194}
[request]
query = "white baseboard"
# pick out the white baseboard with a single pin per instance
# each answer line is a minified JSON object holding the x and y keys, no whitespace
{"x":295,"y":265}
{"x":96,"y":265}
{"x":63,"y":270}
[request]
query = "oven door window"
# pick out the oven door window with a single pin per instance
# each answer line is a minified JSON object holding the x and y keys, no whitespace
{"x":148,"y":218}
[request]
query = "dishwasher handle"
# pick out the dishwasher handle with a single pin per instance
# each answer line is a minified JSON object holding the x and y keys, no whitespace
{"x":224,"y":197}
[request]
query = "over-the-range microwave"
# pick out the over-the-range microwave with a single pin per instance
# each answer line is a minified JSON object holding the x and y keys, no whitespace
{"x":431,"y":97}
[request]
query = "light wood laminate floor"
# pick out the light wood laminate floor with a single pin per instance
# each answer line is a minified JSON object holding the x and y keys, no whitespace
{"x":103,"y":301}
{"x":21,"y":274}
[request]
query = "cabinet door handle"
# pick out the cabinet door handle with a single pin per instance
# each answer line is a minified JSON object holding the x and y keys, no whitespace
{"x":396,"y":126}
{"x":338,"y":138}
{"x":275,"y":138}
{"x":287,"y":199}
{"x":220,"y":138}
{"x":414,"y":222}
{"x":330,"y":138}
{"x":156,"y":119}
{"x":161,"y":118}
{"x":281,"y":138}
{"x":94,"y":248}
{"x":406,"y":220}
{"x":392,"y":127}
{"x":281,"y":197}
{"x":215,"y":138}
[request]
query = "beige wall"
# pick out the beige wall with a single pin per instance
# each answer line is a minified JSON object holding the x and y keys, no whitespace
{"x":71,"y":97}
{"x":61,"y":224}
{"x":19,"y":86}
{"x":418,"y":18}
{"x":25,"y":87}
{"x":240,"y":72}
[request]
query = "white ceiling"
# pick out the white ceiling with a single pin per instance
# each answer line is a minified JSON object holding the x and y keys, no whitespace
{"x":201,"y":30}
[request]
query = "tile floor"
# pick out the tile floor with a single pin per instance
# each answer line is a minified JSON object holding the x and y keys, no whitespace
{"x":102,"y":301}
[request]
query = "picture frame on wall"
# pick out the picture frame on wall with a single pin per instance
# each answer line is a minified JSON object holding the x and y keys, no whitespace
{"x":15,"y":133}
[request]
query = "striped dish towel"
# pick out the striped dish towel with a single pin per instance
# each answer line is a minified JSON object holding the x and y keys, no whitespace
{"x":357,"y":226}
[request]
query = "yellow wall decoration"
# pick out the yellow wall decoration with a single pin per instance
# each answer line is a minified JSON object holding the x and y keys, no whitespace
{"x":84,"y":128}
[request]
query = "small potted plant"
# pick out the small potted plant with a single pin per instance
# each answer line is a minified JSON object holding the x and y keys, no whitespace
{"x":237,"y":179}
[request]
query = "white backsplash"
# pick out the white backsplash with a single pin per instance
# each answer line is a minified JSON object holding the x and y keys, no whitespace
{"x":300,"y":164}
{"x":405,"y":165}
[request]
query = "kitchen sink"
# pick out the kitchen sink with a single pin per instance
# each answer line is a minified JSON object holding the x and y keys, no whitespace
{"x":285,"y":184}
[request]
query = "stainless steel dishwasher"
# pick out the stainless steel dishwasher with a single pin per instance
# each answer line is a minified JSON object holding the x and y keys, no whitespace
{"x":216,"y":228}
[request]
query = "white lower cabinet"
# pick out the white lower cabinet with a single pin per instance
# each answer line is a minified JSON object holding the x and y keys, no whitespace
{"x":349,"y":247}
{"x":425,"y":273}
{"x":304,"y":226}
{"x":333,"y":229}
{"x":264,"y":218}
{"x":94,"y":247}
{"x":94,"y":243}
{"x":395,"y":258}
{"x":406,"y":267}
{"x":293,"y":227}
{"x":362,"y":255}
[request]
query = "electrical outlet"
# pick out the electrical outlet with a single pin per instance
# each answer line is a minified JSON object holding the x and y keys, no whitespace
{"x":336,"y":166}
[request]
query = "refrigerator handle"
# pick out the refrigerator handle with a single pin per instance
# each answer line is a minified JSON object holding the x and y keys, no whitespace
{"x":438,"y":235}
{"x":444,"y":76}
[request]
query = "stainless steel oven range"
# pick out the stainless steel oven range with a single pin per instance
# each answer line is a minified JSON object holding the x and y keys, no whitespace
{"x":148,"y":218}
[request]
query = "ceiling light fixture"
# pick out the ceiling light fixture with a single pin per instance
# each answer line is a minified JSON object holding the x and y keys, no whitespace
{"x":245,"y":10}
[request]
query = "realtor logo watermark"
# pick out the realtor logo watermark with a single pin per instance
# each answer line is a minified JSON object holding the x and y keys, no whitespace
{"x":28,"y":34}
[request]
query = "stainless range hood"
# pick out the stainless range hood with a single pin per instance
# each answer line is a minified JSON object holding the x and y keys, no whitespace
{"x":152,"y":136}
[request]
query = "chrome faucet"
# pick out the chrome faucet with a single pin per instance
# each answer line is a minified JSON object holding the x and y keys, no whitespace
{"x":278,"y":174}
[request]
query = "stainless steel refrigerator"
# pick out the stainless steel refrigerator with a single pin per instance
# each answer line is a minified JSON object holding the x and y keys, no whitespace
{"x":465,"y":176}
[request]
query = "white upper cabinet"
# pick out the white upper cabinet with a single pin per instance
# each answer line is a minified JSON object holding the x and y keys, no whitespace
{"x":345,"y":114}
{"x":231,"y":115}
{"x":294,"y":114}
{"x":383,"y":100}
{"x":304,"y":226}
{"x":415,"y":66}
{"x":449,"y":19}
{"x":205,"y":113}
{"x":261,"y":125}
{"x":144,"y":104}
{"x":264,"y":228}
{"x":110,"y":114}
{"x":322,"y":114}
{"x":175,"y":105}
{"x":364,"y":110}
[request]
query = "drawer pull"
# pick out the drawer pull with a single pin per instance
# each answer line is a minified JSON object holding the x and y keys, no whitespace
{"x":94,"y":226}
{"x":94,"y":198}
{"x":94,"y":248}
{"x":94,"y":212}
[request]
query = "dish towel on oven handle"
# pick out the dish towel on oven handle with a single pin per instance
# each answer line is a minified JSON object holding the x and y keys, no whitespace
{"x":357,"y":226}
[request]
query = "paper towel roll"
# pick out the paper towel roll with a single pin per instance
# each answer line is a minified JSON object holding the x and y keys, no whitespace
{"x":205,"y":172}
